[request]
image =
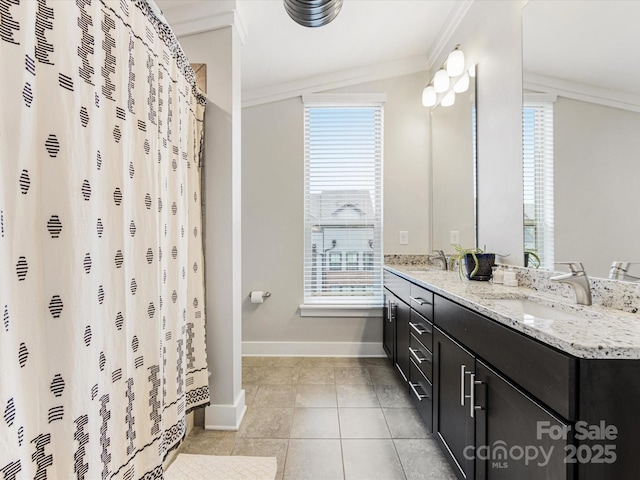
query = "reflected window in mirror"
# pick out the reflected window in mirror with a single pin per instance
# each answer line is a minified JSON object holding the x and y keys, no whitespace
{"x":537,"y":150}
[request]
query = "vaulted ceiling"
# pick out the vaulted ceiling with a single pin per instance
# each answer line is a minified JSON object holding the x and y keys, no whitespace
{"x":367,"y":36}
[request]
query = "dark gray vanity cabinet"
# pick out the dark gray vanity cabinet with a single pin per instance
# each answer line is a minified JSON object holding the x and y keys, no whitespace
{"x":453,"y":425}
{"x":492,"y":394}
{"x":488,"y":426}
{"x":410,"y":308}
{"x":507,"y":419}
{"x":402,"y":317}
{"x":389,"y":326}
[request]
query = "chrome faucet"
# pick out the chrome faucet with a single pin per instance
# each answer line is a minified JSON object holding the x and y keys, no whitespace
{"x":443,"y":259}
{"x":578,"y":279}
{"x":619,"y":271}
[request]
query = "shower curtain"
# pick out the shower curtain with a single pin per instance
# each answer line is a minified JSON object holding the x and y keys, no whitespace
{"x":102,"y":349}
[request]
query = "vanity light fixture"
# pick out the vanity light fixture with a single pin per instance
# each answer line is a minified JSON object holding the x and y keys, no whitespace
{"x":455,"y":62}
{"x":313,"y":13}
{"x":462,"y":85}
{"x":441,"y":81}
{"x":429,"y":96}
{"x":449,"y":99}
{"x":451,"y":73}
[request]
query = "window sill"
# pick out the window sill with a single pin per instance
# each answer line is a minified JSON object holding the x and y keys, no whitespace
{"x":366,"y":311}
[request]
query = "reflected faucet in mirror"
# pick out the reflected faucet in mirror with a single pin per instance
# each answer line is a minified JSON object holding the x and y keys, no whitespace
{"x":619,"y":271}
{"x":578,"y":279}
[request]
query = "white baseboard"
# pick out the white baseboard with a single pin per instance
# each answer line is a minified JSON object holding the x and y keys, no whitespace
{"x":225,"y":417}
{"x":313,"y":349}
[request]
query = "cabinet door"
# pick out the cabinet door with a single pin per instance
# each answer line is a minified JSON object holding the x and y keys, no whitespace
{"x":403,"y":314}
{"x":514,"y":433}
{"x":389,"y":328}
{"x":453,"y":424}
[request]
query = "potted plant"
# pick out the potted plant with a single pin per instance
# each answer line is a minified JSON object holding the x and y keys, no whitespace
{"x":531,"y":258}
{"x":474,"y":263}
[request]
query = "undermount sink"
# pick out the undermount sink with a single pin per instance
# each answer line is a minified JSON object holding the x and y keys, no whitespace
{"x":532,"y":310}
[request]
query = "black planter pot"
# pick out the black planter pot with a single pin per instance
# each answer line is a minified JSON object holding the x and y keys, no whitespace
{"x":485,"y":262}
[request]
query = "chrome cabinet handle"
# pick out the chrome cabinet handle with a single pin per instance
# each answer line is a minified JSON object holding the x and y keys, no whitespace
{"x":420,"y":396}
{"x":414,"y":353}
{"x":462,"y":374}
{"x":415,"y":327}
{"x":472,"y":397}
{"x":392,"y":309}
{"x":420,"y":301}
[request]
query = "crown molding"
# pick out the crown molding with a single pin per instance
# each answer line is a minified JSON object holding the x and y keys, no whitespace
{"x":193,"y":25}
{"x":343,"y":78}
{"x":446,"y":32}
{"x":582,"y":92}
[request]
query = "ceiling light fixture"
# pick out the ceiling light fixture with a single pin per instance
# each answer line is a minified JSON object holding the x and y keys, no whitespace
{"x":313,"y":13}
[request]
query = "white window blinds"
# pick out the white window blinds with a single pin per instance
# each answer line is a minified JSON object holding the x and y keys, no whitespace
{"x":343,"y":150}
{"x":537,"y":135}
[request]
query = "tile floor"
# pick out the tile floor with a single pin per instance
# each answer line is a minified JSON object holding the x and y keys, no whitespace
{"x":328,"y":418}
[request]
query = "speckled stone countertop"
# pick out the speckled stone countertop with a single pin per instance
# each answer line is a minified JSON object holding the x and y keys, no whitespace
{"x":599,"y":332}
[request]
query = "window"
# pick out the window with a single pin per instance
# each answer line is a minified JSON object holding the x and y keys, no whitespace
{"x":352,"y":261}
{"x":537,"y":148}
{"x":343,"y":200}
{"x":335,"y":261}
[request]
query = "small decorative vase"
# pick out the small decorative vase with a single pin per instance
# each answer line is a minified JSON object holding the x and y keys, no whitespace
{"x":485,"y":262}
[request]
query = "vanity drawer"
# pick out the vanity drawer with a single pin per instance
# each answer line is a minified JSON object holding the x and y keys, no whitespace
{"x":421,"y":300}
{"x":421,"y":394}
{"x":400,"y":287}
{"x":421,"y":357}
{"x":422,"y":329}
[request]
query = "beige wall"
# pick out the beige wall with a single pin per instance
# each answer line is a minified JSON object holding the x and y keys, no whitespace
{"x":596,"y":170}
{"x":272,"y":225}
{"x":221,"y":194}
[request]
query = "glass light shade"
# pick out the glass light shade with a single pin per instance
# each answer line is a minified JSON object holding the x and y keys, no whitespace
{"x":455,"y":63}
{"x":441,"y":81}
{"x":429,"y":96}
{"x":462,"y":84}
{"x":472,"y":70}
{"x":449,"y":99}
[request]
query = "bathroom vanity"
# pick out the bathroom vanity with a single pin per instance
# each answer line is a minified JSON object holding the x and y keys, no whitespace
{"x":514,"y":383}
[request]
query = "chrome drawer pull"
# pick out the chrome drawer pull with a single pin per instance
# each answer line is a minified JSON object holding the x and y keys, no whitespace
{"x":420,"y":396}
{"x":472,"y":404}
{"x":415,"y":355}
{"x":462,"y":373}
{"x":393,"y":310}
{"x":415,"y":327}
{"x":420,"y":301}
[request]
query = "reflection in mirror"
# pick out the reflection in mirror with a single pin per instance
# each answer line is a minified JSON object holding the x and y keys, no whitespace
{"x":453,"y":161}
{"x":592,"y":86}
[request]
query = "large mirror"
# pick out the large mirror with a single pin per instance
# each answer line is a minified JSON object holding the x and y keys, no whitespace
{"x":584,"y":58}
{"x":453,"y":160}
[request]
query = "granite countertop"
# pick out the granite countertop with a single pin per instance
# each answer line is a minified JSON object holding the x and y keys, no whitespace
{"x":599,"y":332}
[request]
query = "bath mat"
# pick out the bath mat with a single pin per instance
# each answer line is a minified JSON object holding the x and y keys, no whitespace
{"x":212,"y":467}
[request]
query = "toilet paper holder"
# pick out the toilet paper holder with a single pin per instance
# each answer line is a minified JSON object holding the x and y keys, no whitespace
{"x":264,"y":295}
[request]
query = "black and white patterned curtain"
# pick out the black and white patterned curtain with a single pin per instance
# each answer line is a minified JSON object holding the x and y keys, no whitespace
{"x":102,"y":349}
